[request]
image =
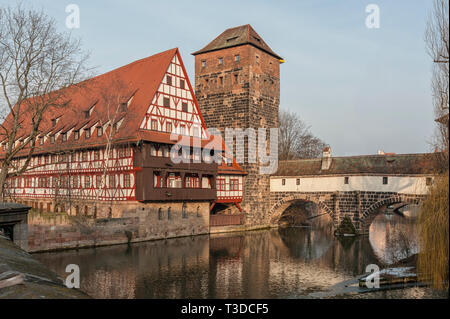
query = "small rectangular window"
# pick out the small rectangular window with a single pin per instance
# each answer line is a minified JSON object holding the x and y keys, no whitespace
{"x":385,"y":180}
{"x":257,"y":59}
{"x":182,"y":86}
{"x":169,"y":80}
{"x":52,"y":139}
{"x":99,"y":131}
{"x":346,"y":180}
{"x":166,"y":102}
{"x":298,"y":181}
{"x":236,"y":58}
{"x":283,"y":182}
{"x":169,"y":127}
{"x":54,"y":122}
{"x":220,"y":61}
{"x":221,"y":80}
{"x":154,"y":125}
{"x":236,"y":78}
{"x":429,"y":181}
{"x":184,"y":107}
{"x":127,"y":180}
{"x":64,"y":137}
{"x":87,"y":181}
{"x":182,"y":129}
{"x":203,"y":63}
{"x":87,"y":133}
{"x":76,"y":135}
{"x":86,"y":114}
{"x":41,"y":142}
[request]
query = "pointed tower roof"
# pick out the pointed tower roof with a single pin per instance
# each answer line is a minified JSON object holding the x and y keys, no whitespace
{"x":237,"y":36}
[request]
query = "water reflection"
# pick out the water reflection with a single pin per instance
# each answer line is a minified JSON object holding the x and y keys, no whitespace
{"x":394,"y":235}
{"x":277,"y":263}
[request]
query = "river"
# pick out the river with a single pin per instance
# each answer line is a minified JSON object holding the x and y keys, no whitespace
{"x":276,"y":263}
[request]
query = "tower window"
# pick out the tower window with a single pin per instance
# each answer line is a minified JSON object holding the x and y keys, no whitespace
{"x":236,"y":58}
{"x":220,"y":61}
{"x":169,"y":80}
{"x":182,"y":84}
{"x":385,"y":180}
{"x":429,"y":181}
{"x":346,"y":180}
{"x":298,"y":181}
{"x":283,"y":182}
{"x":203,"y":63}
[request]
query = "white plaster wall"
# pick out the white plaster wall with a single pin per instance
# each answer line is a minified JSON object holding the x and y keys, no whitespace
{"x":400,"y":184}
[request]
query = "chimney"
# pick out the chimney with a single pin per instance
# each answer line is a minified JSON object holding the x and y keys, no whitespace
{"x":326,"y":158}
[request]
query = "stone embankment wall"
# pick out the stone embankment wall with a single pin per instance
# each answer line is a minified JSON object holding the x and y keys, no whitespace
{"x":139,"y":222}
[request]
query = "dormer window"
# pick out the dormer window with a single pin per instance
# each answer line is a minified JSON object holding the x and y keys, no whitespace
{"x":64,"y":137}
{"x":41,"y":141}
{"x":76,"y":135}
{"x":123,"y":107}
{"x":4,"y":146}
{"x":87,"y":133}
{"x":99,"y":131}
{"x":54,"y":122}
{"x":86,"y":114}
{"x":52,"y":139}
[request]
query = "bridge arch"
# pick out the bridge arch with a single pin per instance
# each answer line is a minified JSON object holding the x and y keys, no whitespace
{"x":373,"y":210}
{"x":282,"y":204}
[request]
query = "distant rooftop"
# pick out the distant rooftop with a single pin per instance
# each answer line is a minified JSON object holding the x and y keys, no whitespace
{"x":408,"y":164}
{"x":237,"y":36}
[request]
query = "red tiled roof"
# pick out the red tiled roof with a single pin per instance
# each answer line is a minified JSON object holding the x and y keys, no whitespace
{"x":139,"y":79}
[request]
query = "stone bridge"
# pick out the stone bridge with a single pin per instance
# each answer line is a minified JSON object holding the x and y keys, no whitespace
{"x":357,"y":187}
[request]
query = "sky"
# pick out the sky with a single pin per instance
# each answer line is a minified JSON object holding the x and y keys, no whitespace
{"x":359,"y":89}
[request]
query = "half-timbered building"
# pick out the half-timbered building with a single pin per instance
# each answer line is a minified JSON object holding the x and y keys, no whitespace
{"x":111,"y":148}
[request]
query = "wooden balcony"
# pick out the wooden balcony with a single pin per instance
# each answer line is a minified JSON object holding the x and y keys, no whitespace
{"x":226,"y":220}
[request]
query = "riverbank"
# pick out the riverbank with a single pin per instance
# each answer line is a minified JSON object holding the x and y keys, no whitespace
{"x":23,"y":277}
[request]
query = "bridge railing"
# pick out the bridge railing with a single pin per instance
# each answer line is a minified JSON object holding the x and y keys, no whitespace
{"x":226,"y":220}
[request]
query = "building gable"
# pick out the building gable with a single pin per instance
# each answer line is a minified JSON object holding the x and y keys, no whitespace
{"x":174,"y":108}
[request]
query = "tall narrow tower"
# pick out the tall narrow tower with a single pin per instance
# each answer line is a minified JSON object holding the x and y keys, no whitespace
{"x":237,"y":84}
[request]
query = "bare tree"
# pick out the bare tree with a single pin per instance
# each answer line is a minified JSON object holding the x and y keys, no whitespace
{"x":437,"y":41}
{"x":295,"y":138}
{"x":38,"y":64}
{"x":115,"y":98}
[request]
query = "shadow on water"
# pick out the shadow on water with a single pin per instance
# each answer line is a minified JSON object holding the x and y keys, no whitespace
{"x":277,"y":263}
